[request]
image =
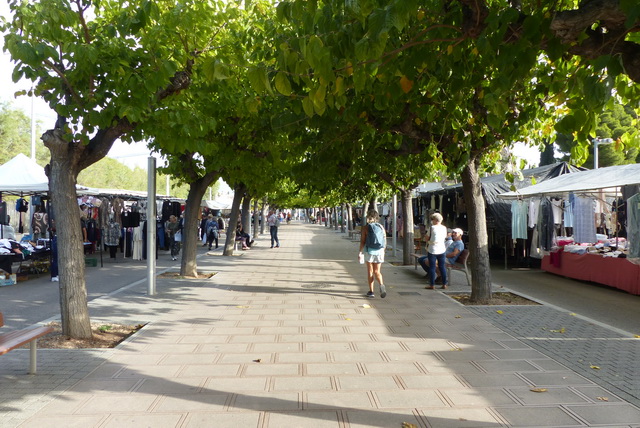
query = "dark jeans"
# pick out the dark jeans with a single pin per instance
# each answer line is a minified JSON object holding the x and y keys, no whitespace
{"x":440,"y":258}
{"x":273,"y":230}
{"x":175,"y":246}
{"x":211,"y":238}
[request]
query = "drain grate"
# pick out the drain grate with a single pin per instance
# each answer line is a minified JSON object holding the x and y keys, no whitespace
{"x":408,"y":293}
{"x":317,"y":285}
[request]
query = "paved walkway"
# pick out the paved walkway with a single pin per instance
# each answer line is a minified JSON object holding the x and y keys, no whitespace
{"x":284,"y":337}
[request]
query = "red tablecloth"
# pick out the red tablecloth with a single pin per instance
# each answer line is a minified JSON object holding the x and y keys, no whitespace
{"x":614,"y":272}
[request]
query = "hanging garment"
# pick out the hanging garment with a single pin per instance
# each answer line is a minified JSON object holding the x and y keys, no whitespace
{"x":137,"y":243}
{"x":118,"y":207}
{"x":568,"y":211}
{"x":534,"y":206}
{"x":556,"y":207}
{"x":39,"y":225}
{"x":519,"y":211}
{"x":112,"y":234}
{"x":584,"y":228}
{"x":546,"y":227}
{"x":633,"y":226}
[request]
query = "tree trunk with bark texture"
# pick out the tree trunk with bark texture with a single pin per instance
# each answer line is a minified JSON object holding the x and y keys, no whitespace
{"x":349,"y":217}
{"x":246,"y":214}
{"x":478,"y":237}
{"x":63,"y":174}
{"x":233,"y":220}
{"x":256,"y":219}
{"x":407,"y":227}
{"x":190,"y":239}
{"x":265,"y":213}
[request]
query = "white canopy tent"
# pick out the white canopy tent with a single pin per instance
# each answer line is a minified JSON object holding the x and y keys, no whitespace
{"x":221,"y":203}
{"x":21,"y":175}
{"x":609,"y":179}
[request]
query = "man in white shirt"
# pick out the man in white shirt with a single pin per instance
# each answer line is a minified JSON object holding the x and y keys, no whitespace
{"x":273,"y":221}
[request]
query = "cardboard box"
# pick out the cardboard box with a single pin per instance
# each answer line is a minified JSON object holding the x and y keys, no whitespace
{"x":8,"y":280}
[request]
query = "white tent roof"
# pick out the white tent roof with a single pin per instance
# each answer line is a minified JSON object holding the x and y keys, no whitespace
{"x":217,"y":204}
{"x":583,"y":181}
{"x":21,"y":174}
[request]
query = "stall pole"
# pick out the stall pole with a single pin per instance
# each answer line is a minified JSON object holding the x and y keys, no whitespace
{"x":151,"y":226}
{"x":101,"y":244}
{"x":394,"y":224}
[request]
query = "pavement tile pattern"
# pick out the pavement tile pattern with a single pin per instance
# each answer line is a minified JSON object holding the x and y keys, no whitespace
{"x":285,"y":337}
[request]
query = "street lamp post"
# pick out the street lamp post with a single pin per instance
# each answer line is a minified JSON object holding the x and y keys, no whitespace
{"x":596,"y":143}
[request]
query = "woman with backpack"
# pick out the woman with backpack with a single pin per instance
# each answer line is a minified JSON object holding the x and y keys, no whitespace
{"x":211,"y":228}
{"x":373,"y":242}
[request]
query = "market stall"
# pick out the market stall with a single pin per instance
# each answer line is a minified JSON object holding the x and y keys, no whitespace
{"x":594,"y":234}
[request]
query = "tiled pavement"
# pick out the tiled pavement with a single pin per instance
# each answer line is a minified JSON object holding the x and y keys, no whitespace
{"x":283,"y":337}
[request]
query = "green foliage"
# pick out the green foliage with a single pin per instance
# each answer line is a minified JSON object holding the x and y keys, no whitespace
{"x":15,"y":136}
{"x":620,"y":123}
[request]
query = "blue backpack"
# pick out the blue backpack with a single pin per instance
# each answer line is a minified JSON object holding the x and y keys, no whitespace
{"x":375,"y":236}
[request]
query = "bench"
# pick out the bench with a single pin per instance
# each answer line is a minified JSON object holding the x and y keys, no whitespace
{"x":15,"y":339}
{"x":416,"y":256}
{"x":461,"y":265}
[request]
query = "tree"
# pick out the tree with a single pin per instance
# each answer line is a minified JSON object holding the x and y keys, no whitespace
{"x":15,"y":135}
{"x":618,"y":122}
{"x":103,"y":67}
{"x":497,"y":69}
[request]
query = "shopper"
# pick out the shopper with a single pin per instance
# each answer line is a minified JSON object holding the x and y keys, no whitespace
{"x":172,"y":228}
{"x":373,"y":242}
{"x":211,"y":228}
{"x":273,"y":221}
{"x":436,"y":249}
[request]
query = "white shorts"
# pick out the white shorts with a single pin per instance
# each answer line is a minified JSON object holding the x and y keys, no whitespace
{"x":370,"y":258}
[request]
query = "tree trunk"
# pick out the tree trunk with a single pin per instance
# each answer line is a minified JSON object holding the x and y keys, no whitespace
{"x":246,"y":215}
{"x":233,"y":220}
{"x":336,"y":218}
{"x":478,"y":238}
{"x":349,"y":217}
{"x":265,"y":212}
{"x":407,"y":227}
{"x":190,"y":239}
{"x":256,"y":219}
{"x":63,"y":174}
{"x":365,"y":210}
{"x":373,"y":203}
{"x":344,"y":218}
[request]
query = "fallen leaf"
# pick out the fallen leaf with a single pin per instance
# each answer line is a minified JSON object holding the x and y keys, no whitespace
{"x":458,"y":316}
{"x":242,"y":307}
{"x":409,"y":425}
{"x":366,"y":306}
{"x":259,"y":360}
{"x":637,"y":336}
{"x":595,"y":367}
{"x":499,"y":312}
{"x":602,"y":398}
{"x":562,"y":330}
{"x":572,"y":314}
{"x":347,"y":319}
{"x":538,"y":390}
{"x":457,"y":349}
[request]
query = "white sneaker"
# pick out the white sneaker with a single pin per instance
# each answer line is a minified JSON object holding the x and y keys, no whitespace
{"x":55,"y":279}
